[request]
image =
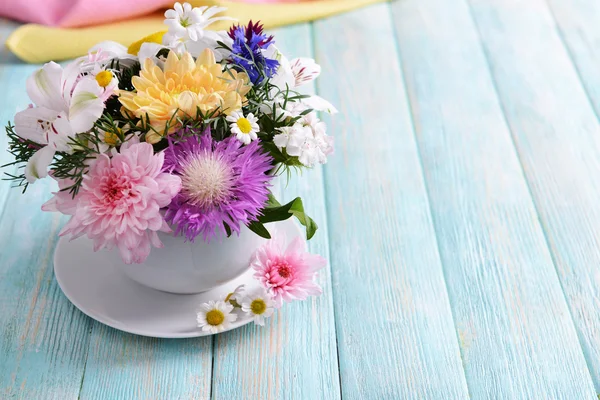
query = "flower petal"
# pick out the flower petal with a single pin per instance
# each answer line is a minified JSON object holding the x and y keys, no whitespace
{"x":117,"y":50}
{"x":86,"y":105}
{"x":44,"y":87}
{"x":305,"y":70}
{"x":27,"y":123}
{"x":37,"y":166}
{"x":318,"y":103}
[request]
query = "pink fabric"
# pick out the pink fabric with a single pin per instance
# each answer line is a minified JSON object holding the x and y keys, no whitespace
{"x":72,"y":13}
{"x":75,"y":13}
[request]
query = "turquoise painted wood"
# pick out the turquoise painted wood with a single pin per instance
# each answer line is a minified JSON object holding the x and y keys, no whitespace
{"x":395,"y":331}
{"x":43,"y":339}
{"x":518,"y":340}
{"x":295,"y":356}
{"x":124,"y":366}
{"x":460,"y":215}
{"x":578,"y":29}
{"x":557,"y":135}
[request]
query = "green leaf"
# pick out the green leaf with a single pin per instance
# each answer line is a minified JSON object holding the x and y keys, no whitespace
{"x":277,"y":155}
{"x":227,"y":229}
{"x":259,"y":229}
{"x":274,"y":211}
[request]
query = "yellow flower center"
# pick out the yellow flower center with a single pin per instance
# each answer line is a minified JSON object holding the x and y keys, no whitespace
{"x":103,"y":78}
{"x":258,"y":306}
{"x":215,"y":317}
{"x":231,"y":301}
{"x":185,"y":22}
{"x":112,"y":138}
{"x":244,"y":125}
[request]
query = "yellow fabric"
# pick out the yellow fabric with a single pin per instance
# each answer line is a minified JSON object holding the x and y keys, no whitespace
{"x":37,"y":43}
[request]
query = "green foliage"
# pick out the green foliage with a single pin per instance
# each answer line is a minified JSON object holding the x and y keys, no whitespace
{"x":274,"y":212}
{"x":22,"y":150}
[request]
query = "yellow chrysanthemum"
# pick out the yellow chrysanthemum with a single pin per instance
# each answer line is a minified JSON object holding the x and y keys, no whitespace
{"x":183,"y":87}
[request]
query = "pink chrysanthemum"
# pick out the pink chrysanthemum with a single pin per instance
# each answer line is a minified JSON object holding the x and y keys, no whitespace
{"x":223,"y":183}
{"x":119,"y":201}
{"x":287,"y":273}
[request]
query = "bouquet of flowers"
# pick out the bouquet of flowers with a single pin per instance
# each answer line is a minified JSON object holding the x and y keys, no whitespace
{"x":182,"y":132}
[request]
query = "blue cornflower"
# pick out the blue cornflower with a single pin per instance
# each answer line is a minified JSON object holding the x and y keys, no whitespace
{"x":247,"y":51}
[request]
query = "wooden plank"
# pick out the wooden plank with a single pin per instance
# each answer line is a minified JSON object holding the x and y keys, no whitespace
{"x":571,"y":216}
{"x":518,"y":340}
{"x":43,"y":337}
{"x":396,"y":337}
{"x":577,"y":22}
{"x":125,"y":366}
{"x":294,"y":355}
{"x":557,"y":135}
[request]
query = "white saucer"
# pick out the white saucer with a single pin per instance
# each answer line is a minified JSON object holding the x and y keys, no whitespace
{"x":103,"y":292}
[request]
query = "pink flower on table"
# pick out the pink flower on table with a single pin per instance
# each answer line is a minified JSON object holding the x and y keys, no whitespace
{"x":287,"y":273}
{"x":119,"y":201}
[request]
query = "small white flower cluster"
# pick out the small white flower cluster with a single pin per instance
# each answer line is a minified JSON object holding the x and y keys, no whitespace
{"x":306,"y":139}
{"x":217,"y":316}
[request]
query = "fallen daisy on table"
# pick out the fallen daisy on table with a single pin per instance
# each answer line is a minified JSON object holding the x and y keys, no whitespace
{"x":258,"y":306}
{"x":215,"y":317}
{"x":236,"y":296}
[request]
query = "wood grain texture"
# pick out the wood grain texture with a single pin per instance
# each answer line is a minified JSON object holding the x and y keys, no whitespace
{"x":43,"y":338}
{"x":394,"y":325}
{"x":498,"y":170}
{"x":557,"y":135}
{"x":294,"y":356}
{"x":125,"y":366}
{"x":577,"y":22}
{"x":518,"y":340}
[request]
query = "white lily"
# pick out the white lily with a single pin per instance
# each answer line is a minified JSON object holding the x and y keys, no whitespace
{"x":65,"y":104}
{"x":296,"y":73}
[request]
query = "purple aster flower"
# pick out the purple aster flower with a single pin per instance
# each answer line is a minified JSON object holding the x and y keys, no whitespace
{"x":247,"y":51}
{"x":222,"y":183}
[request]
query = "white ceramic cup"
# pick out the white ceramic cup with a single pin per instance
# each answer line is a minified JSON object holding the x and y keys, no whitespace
{"x":184,"y":267}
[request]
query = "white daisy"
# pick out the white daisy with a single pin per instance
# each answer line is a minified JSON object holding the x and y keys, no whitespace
{"x":187,"y":23}
{"x":215,"y":317}
{"x":245,"y":128}
{"x":107,"y":80}
{"x":235,"y":297}
{"x":258,"y":306}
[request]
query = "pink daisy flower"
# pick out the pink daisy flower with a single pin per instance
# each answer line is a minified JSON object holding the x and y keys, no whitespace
{"x":287,"y":273}
{"x":119,"y":201}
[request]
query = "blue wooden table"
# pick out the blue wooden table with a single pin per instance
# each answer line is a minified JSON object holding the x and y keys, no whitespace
{"x":461,"y":215}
